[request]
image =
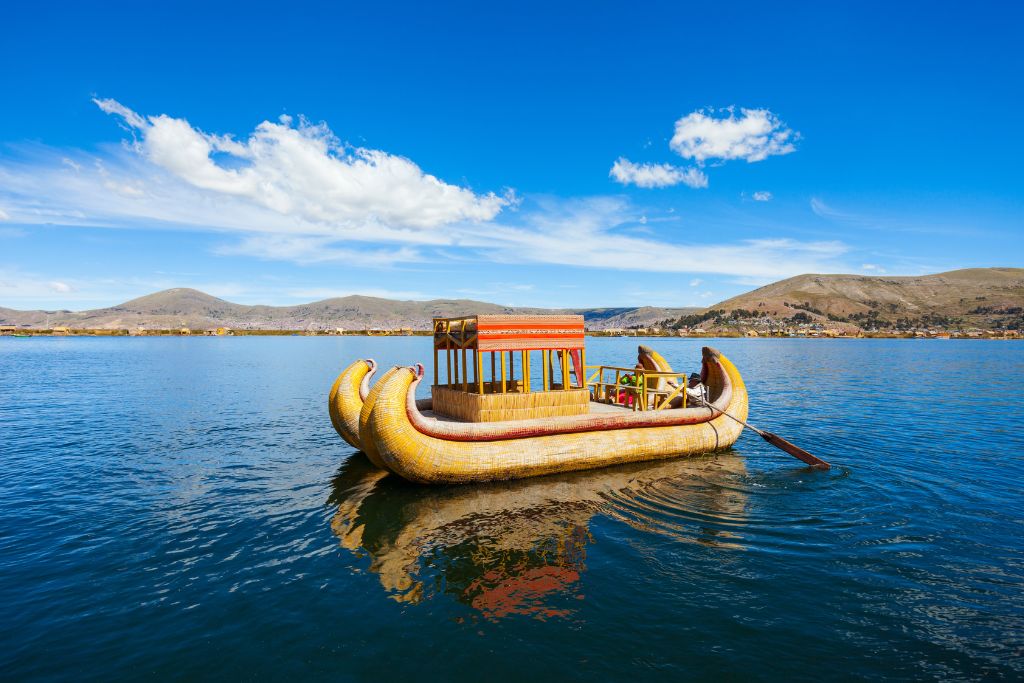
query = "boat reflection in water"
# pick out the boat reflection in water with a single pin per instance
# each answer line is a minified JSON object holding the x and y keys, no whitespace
{"x":520,"y":547}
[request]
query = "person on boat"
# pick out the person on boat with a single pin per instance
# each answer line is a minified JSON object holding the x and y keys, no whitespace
{"x":696,"y":392}
{"x":627,"y":397}
{"x":695,"y":389}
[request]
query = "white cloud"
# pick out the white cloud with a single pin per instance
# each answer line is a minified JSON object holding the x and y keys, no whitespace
{"x":115,"y":107}
{"x":131,"y":188}
{"x":4,"y":216}
{"x":704,"y":136}
{"x":754,"y":135}
{"x":587,"y":233}
{"x":696,"y":282}
{"x":29,"y":290}
{"x":871,"y":267}
{"x":655,"y":175}
{"x":304,"y":172}
{"x":820,"y":208}
{"x":307,"y":249}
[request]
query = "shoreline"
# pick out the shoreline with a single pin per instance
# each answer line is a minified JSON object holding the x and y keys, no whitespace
{"x":944,"y":336}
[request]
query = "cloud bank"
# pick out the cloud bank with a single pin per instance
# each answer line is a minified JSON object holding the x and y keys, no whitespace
{"x":291,"y":192}
{"x":709,"y":135}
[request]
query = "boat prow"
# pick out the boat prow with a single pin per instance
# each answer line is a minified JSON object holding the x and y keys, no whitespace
{"x":346,"y":398}
{"x":350,"y":399}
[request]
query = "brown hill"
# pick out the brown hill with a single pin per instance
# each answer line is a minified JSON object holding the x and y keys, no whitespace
{"x":975,"y":297}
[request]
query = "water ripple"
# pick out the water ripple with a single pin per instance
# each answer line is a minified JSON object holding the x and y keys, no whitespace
{"x":182,"y":507}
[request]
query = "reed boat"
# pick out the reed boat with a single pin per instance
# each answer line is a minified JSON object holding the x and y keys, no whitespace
{"x":493,"y":415}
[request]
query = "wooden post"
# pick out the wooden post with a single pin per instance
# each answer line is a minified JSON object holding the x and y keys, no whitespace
{"x":435,"y":356}
{"x":524,"y":370}
{"x":454,"y":378}
{"x":462,"y":345}
{"x":545,"y":359}
{"x":493,"y":386}
{"x":480,"y":371}
{"x":529,"y":371}
{"x":618,"y":378}
{"x":583,"y":369}
{"x":448,"y":352}
{"x":502,"y":371}
{"x":465,"y":371}
{"x":565,"y":370}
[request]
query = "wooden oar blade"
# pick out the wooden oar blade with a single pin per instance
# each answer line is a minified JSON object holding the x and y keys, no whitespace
{"x":795,"y":451}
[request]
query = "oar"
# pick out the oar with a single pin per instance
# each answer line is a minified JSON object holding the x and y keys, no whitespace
{"x":776,"y":440}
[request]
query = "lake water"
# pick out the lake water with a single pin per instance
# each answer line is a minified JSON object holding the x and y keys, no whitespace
{"x":182,"y":508}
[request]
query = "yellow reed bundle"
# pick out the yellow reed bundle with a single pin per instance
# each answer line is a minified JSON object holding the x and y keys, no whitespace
{"x":363,"y":417}
{"x":345,"y":399}
{"x":473,"y":407}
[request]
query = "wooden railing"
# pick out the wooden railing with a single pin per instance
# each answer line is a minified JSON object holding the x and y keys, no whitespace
{"x":639,"y":395}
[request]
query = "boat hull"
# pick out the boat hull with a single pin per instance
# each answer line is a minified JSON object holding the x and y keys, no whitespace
{"x":431,"y":452}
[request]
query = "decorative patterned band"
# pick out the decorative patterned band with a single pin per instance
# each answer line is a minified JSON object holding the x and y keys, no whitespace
{"x":530,"y":343}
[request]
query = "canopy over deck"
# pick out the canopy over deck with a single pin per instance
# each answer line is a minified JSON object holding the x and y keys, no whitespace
{"x":510,"y":332}
{"x":501,"y":395}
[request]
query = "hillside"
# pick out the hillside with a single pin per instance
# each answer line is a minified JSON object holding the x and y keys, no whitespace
{"x":976,"y":297}
{"x":182,"y":307}
{"x":979,"y":297}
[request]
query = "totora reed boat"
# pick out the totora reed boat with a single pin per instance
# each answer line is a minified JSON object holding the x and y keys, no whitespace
{"x":493,"y":415}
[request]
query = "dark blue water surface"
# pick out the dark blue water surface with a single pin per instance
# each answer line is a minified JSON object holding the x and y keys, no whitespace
{"x":182,"y":508}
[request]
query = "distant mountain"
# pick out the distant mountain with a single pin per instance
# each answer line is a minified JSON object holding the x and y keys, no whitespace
{"x":981,"y":297}
{"x":182,"y":307}
{"x":975,"y":296}
{"x":623,"y":318}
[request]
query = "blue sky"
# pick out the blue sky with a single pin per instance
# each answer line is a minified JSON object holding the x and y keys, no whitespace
{"x":599,"y":154}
